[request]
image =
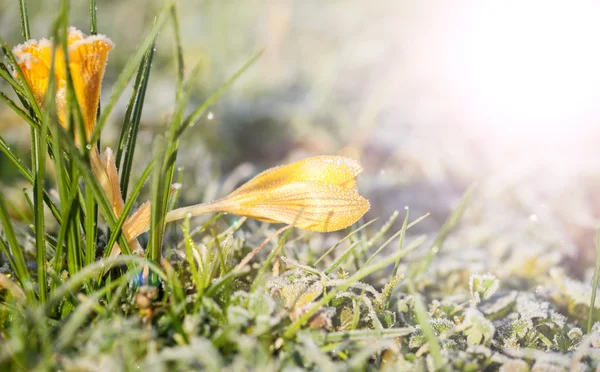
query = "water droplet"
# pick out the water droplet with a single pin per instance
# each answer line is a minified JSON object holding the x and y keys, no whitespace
{"x":210,"y":115}
{"x":533,"y":217}
{"x":189,"y":215}
{"x":406,"y":207}
{"x":89,"y":146}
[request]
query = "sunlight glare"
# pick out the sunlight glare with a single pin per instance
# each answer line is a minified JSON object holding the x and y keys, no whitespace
{"x":530,"y":68}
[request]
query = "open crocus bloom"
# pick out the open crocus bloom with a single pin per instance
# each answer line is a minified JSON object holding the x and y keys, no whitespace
{"x":87,"y":62}
{"x":315,"y":194}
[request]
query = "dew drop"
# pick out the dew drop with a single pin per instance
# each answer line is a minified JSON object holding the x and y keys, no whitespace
{"x":210,"y":115}
{"x":89,"y":146}
{"x":533,"y":217}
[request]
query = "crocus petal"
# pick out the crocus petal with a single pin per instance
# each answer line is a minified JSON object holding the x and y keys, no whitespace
{"x":312,"y":206}
{"x":333,"y":170}
{"x":113,"y":189}
{"x":87,"y":62}
{"x":34,"y":60}
{"x":316,"y":194}
{"x":138,"y":223}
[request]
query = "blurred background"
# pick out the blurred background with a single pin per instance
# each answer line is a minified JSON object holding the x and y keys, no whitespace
{"x":431,"y":97}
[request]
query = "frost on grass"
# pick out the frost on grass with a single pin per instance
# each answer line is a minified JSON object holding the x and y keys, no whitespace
{"x":493,"y":321}
{"x":482,"y":287}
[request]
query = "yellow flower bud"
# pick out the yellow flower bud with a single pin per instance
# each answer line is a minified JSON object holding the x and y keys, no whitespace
{"x":315,"y":194}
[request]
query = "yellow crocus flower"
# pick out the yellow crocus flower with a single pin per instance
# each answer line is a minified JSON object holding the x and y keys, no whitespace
{"x":87,"y":62}
{"x":315,"y":194}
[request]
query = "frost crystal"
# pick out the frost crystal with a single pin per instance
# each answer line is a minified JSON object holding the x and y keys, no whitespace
{"x":529,"y":308}
{"x":480,"y":329}
{"x":482,"y":286}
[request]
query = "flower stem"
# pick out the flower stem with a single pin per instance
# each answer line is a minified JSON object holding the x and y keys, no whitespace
{"x":194,"y":210}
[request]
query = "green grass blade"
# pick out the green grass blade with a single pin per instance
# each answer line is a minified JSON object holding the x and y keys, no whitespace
{"x":384,"y":229}
{"x":133,"y":127}
{"x":6,"y":251}
{"x":20,"y":266}
{"x":158,"y":196}
{"x":343,"y":240}
{"x":22,"y":168}
{"x":24,"y":16}
{"x":400,"y":233}
{"x":63,"y":230}
{"x":401,"y":241}
{"x":423,"y":319}
{"x":190,"y":248}
{"x":125,"y":126}
{"x":93,"y":22}
{"x":385,"y":244}
{"x":91,"y":218}
{"x":365,"y":334}
{"x":39,"y":170}
{"x":178,"y":48}
{"x":7,"y":76}
{"x":594,"y":286}
{"x":91,"y":208}
{"x":20,"y":112}
{"x":341,"y":258}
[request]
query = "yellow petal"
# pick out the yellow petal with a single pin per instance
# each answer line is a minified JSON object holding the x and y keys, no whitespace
{"x":316,"y":194}
{"x":113,"y":188}
{"x":312,"y":206}
{"x":138,"y":222}
{"x":34,"y":60}
{"x":87,"y":62}
{"x":334,"y":170}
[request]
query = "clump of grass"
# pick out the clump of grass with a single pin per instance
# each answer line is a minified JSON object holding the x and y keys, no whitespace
{"x":67,"y":303}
